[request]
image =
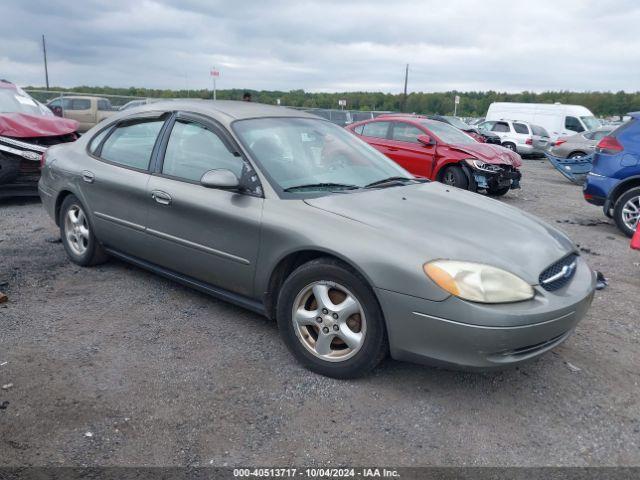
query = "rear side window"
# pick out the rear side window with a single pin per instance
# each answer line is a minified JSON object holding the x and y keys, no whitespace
{"x":501,"y":127}
{"x":376,"y":129}
{"x":193,"y":150}
{"x":95,"y":141}
{"x":131,"y":144}
{"x":573,"y":124}
{"x":521,"y":128}
{"x":403,"y":132}
{"x":537,"y":130}
{"x":104,"y":105}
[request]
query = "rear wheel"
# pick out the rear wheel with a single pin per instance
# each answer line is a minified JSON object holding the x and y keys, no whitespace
{"x":454,"y":176}
{"x":627,"y":211}
{"x":76,"y":232}
{"x":577,"y":155}
{"x":330,"y":320}
{"x":510,"y":146}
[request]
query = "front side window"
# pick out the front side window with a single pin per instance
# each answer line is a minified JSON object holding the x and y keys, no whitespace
{"x":376,"y":129}
{"x":79,"y":104}
{"x":573,"y":124}
{"x":193,"y":150}
{"x":403,"y":132}
{"x":359,"y":129}
{"x":303,"y":156}
{"x":131,"y":144}
{"x":520,"y":128}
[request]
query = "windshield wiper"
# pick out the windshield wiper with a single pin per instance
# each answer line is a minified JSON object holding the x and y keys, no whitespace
{"x":328,"y":185}
{"x":391,"y":181}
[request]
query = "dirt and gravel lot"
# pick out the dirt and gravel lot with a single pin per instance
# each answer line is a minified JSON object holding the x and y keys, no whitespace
{"x":115,"y":366}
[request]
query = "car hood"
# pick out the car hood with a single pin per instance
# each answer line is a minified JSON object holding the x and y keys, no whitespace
{"x":22,"y":125}
{"x":445,"y":222}
{"x":490,"y":153}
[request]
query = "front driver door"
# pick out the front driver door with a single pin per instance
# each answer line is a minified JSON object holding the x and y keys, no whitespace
{"x":412,"y":155}
{"x":208,"y":234}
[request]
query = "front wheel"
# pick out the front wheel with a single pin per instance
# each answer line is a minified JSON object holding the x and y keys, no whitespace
{"x":627,"y":211}
{"x":78,"y":239}
{"x":455,"y":176}
{"x":510,"y":146}
{"x":330,"y":320}
{"x":575,"y":155}
{"x":498,"y":192}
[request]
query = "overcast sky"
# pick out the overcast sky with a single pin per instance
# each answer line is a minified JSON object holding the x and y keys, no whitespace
{"x":325,"y":45}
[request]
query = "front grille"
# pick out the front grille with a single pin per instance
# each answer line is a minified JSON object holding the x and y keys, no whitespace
{"x":559,"y":274}
{"x":493,"y":140}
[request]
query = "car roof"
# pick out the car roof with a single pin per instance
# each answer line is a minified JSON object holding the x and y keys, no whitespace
{"x":225,"y":111}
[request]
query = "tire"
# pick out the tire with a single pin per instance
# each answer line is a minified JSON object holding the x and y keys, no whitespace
{"x":362,"y":324}
{"x":455,"y":177}
{"x":627,"y":210}
{"x":510,"y":146}
{"x":577,"y":155}
{"x":78,"y":239}
{"x":498,"y":192}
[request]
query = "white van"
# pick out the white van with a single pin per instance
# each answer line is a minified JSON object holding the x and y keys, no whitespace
{"x":556,"y":118}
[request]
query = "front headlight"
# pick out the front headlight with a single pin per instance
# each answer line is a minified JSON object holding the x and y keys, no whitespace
{"x":478,"y":282}
{"x":479,"y":165}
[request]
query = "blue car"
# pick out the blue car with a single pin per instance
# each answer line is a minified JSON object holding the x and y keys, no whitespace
{"x":614,"y":180}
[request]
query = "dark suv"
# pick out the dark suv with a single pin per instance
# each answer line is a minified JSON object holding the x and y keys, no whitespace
{"x":614,"y":180}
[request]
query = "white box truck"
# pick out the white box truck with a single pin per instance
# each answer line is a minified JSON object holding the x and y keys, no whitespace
{"x":556,"y":118}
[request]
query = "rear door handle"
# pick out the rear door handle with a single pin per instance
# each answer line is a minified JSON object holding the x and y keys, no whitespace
{"x":161,"y":197}
{"x":88,"y":176}
{"x":393,"y":149}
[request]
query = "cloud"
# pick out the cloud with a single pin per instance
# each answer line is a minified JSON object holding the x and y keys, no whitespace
{"x":326,"y":45}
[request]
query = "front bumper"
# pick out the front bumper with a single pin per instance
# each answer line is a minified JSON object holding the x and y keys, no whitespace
{"x":496,"y":180}
{"x":460,"y":334}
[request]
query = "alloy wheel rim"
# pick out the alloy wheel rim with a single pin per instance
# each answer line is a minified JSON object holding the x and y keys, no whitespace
{"x":631,"y":213}
{"x":76,"y":230}
{"x":449,"y":179}
{"x":329,"y":321}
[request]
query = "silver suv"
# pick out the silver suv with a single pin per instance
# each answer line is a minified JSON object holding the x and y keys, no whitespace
{"x":522,"y":137}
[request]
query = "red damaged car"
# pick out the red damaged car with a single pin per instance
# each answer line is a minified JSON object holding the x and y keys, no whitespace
{"x":438,"y":151}
{"x":27,"y":128}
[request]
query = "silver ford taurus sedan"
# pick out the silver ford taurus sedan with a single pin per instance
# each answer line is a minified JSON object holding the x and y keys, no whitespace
{"x":290,"y":216}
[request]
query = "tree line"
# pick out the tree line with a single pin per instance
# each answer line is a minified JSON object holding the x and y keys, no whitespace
{"x":472,"y":104}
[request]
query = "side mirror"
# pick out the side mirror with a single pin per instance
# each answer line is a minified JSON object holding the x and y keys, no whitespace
{"x":425,"y":139}
{"x":220,"y":178}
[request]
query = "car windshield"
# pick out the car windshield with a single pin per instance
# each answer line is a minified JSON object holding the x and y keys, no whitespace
{"x":448,"y":134}
{"x":307,"y":155}
{"x":456,"y":122}
{"x":18,"y":101}
{"x":591,"y":122}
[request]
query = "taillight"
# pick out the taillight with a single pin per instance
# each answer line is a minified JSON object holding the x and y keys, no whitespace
{"x":559,"y":142}
{"x":43,"y":159}
{"x":529,"y":141}
{"x":609,"y":145}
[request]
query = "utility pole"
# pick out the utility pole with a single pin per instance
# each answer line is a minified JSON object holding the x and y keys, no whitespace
{"x":44,"y":52}
{"x":404,"y":98}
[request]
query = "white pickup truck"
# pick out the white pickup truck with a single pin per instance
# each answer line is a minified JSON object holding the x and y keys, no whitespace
{"x":87,"y":111}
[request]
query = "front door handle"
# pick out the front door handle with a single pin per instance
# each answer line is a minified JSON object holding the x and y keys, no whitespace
{"x":161,"y":197}
{"x":88,"y":176}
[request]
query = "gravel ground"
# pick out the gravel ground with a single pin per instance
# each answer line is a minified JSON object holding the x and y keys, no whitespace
{"x":115,"y":366}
